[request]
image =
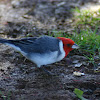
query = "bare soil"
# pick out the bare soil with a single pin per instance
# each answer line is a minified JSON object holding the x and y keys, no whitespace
{"x":19,"y":78}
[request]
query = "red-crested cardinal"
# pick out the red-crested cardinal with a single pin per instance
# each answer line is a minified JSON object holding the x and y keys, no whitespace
{"x":42,"y":50}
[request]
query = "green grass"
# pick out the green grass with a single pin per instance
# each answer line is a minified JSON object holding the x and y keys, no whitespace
{"x":86,"y":32}
{"x":88,"y":40}
{"x":87,"y":18}
{"x":79,"y":94}
{"x":88,"y":36}
{"x":5,"y":96}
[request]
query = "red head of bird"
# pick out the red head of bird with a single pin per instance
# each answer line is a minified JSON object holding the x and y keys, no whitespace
{"x":68,"y":45}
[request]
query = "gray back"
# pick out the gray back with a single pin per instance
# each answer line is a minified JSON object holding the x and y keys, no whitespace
{"x":37,"y":45}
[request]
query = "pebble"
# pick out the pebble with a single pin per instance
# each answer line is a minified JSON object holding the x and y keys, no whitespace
{"x":78,"y":73}
{"x":78,"y":65}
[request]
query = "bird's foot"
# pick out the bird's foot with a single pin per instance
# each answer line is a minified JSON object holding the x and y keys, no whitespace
{"x":47,"y":72}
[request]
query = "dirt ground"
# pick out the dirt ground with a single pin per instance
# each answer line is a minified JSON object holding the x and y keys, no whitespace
{"x":19,"y":78}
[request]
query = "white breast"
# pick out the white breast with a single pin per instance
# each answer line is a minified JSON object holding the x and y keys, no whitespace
{"x":62,"y":55}
{"x":48,"y":58}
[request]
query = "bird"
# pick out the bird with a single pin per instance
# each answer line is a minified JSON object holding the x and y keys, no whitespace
{"x":42,"y":50}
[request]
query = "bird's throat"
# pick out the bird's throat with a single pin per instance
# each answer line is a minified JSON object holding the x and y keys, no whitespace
{"x":67,"y":50}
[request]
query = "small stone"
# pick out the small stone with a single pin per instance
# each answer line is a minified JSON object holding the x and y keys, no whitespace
{"x":75,"y":61}
{"x":78,"y":73}
{"x":78,"y":65}
{"x":15,"y":3}
{"x":61,"y":4}
{"x":96,"y":57}
{"x":98,"y":64}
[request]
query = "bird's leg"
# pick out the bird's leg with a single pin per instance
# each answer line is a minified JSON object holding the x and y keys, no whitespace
{"x":46,"y":71}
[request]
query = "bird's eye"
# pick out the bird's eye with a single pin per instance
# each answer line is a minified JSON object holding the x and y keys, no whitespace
{"x":68,"y":45}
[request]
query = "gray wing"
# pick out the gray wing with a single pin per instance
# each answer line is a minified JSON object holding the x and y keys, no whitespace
{"x":37,"y":45}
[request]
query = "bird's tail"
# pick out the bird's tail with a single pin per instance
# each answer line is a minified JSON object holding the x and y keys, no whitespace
{"x":3,"y":40}
{"x":10,"y":43}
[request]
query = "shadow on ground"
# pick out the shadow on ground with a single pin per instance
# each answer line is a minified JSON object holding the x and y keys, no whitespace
{"x":19,"y":78}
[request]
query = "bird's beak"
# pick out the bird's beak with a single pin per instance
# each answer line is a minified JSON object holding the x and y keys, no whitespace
{"x":75,"y":46}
